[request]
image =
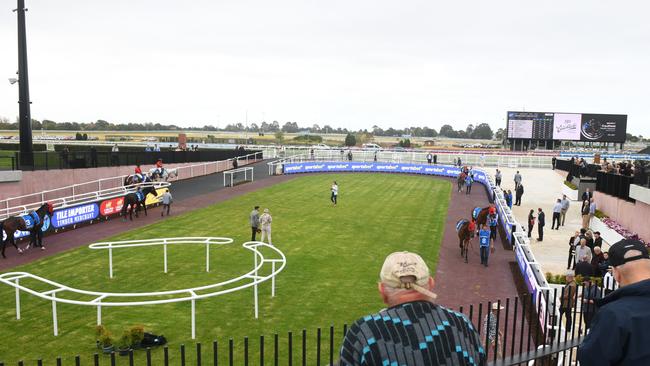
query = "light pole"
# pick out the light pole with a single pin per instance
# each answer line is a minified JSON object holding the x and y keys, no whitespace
{"x":25,"y":115}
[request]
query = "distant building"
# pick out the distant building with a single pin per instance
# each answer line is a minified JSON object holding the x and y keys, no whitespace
{"x":429,"y":143}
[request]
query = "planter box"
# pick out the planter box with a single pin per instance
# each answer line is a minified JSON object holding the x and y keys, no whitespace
{"x":609,"y":235}
{"x":571,"y":194}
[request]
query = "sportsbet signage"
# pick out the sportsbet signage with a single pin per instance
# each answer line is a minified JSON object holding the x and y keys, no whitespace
{"x":152,"y":200}
{"x":75,"y":215}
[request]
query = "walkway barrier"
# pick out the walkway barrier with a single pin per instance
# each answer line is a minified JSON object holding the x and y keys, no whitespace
{"x":252,"y":278}
{"x":75,"y":210}
{"x":233,"y":172}
{"x":515,"y":234}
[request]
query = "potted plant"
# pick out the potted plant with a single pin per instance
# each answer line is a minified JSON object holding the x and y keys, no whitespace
{"x":137,"y":335}
{"x":124,"y":346}
{"x":106,"y":341}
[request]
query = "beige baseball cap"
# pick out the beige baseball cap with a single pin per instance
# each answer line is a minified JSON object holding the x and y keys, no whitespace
{"x":406,"y":270}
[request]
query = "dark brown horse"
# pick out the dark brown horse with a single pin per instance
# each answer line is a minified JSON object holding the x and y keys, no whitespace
{"x":29,"y":222}
{"x":135,"y":200}
{"x":480,"y":215}
{"x":460,"y":181}
{"x":465,"y":229}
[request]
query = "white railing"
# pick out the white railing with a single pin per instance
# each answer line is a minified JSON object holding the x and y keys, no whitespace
{"x":416,"y":157}
{"x":251,"y":278}
{"x":82,"y":198}
{"x":76,"y":192}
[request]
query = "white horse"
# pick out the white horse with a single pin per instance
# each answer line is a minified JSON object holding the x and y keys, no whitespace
{"x":165,"y":175}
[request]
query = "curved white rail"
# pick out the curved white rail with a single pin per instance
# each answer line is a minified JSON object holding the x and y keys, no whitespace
{"x":251,"y":278}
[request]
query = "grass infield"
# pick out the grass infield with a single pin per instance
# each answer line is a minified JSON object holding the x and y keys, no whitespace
{"x":334,"y":255}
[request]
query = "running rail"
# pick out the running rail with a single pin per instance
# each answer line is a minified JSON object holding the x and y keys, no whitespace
{"x":251,"y":279}
{"x":82,"y":198}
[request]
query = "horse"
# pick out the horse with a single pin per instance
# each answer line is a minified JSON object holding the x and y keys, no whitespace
{"x":465,"y":229}
{"x":460,"y":181}
{"x":136,"y":178}
{"x":135,"y":200}
{"x":166,"y":174}
{"x":29,"y":222}
{"x":480,"y":215}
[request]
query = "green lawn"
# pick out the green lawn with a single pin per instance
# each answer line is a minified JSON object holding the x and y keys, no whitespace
{"x":333,"y":259}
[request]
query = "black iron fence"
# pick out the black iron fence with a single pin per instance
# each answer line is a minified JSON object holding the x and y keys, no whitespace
{"x":45,"y":160}
{"x":519,"y":338}
{"x":576,"y":170}
{"x":614,"y":185}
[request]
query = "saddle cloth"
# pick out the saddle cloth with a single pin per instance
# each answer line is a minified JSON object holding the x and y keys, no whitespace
{"x":460,"y":224}
{"x":139,"y":196}
{"x":476,"y":211}
{"x":31,"y":219}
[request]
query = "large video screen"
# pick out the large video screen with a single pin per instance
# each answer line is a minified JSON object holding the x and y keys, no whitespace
{"x":567,"y":126}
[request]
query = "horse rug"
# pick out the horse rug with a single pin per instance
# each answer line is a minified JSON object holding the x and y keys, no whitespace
{"x":477,"y":210}
{"x":139,"y":195}
{"x":460,"y":224}
{"x":31,"y":220}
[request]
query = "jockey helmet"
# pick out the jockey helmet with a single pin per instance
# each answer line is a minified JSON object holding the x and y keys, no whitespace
{"x":492,"y":210}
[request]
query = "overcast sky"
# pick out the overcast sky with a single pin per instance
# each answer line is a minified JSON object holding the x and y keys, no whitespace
{"x":344,"y":63}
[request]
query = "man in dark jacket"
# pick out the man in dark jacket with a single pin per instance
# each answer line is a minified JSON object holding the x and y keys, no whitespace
{"x":618,"y":334}
{"x":541,"y":221}
{"x":519,"y":191}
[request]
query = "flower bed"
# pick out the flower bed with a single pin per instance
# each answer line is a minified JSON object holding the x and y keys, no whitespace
{"x":627,"y":234}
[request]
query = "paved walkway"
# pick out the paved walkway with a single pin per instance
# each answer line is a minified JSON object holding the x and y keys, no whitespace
{"x":542,"y":187}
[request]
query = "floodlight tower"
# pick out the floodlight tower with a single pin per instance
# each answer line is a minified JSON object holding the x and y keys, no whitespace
{"x":25,"y":115}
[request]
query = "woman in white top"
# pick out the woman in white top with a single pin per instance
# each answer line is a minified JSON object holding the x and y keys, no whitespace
{"x":265,"y":221}
{"x":335,"y":193}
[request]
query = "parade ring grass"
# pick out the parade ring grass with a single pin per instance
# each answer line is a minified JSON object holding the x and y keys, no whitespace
{"x":333,"y":259}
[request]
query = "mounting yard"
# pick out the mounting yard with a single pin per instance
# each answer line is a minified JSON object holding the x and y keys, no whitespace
{"x":333,"y":259}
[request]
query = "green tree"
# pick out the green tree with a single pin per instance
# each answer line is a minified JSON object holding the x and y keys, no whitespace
{"x":279,"y":135}
{"x":448,"y":131}
{"x":482,"y":131}
{"x":350,"y":140}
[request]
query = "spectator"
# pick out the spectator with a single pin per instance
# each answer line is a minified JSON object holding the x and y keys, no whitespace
{"x":598,"y":241}
{"x":557,"y":209}
{"x":609,"y":283}
{"x":492,"y":221}
{"x":541,"y":221}
{"x":565,"y":208}
{"x":585,"y":214}
{"x":167,"y":200}
{"x":490,"y":330}
{"x":568,"y":298}
{"x":589,"y":235}
{"x":519,"y":191}
{"x":254,"y":221}
{"x":93,"y":156}
{"x":592,"y":209}
{"x":115,"y":160}
{"x":429,"y":158}
{"x":147,"y":148}
{"x":65,"y":156}
{"x":350,"y":155}
{"x":517,"y":179}
{"x":531,"y":222}
{"x":335,"y":193}
{"x":582,"y":250}
{"x":553,"y":162}
{"x":468,"y":183}
{"x":573,"y":242}
{"x":497,"y":178}
{"x":590,"y":294}
{"x":460,"y":162}
{"x":584,"y":268}
{"x":596,"y":260}
{"x":604,"y":265}
{"x":405,"y":286}
{"x":587,"y":195}
{"x":265,"y":221}
{"x":435,"y":158}
{"x":508,"y":197}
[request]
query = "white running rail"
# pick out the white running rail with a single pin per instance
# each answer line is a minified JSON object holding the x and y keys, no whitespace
{"x":101,"y":299}
{"x":79,"y":199}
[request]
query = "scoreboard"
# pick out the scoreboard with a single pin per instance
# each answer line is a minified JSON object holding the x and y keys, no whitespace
{"x":567,"y":126}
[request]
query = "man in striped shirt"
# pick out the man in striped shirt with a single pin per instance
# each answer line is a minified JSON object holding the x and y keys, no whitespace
{"x":413,"y":330}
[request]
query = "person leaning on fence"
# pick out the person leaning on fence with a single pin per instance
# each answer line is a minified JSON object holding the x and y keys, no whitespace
{"x":166,"y":200}
{"x":265,"y":221}
{"x":490,"y":329}
{"x":619,"y":330}
{"x":568,"y":298}
{"x":413,"y":330}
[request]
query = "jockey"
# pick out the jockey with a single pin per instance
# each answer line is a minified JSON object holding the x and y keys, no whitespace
{"x":159,"y":167}
{"x":472,"y":225}
{"x":137,"y":174}
{"x":492,"y":221}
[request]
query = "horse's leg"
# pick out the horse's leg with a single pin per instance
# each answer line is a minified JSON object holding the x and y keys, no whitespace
{"x":144,"y":206}
{"x":13,"y":241}
{"x":4,"y":245}
{"x":466,"y":249}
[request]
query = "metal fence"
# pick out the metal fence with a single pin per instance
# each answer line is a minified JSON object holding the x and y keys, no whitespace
{"x":519,"y":339}
{"x":45,"y":160}
{"x":614,"y":185}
